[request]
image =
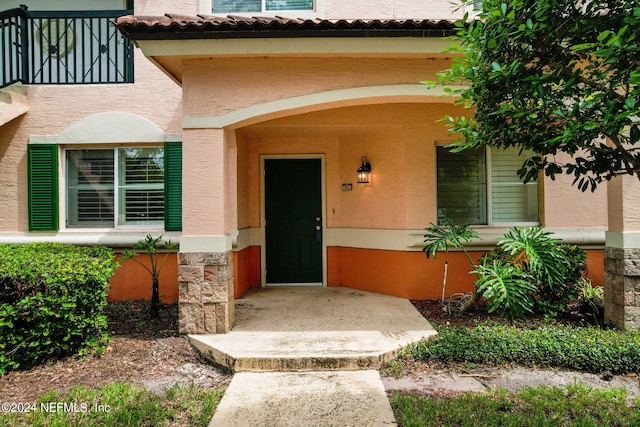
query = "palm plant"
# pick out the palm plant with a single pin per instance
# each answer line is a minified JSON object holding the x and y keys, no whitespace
{"x":440,"y":237}
{"x":152,"y":247}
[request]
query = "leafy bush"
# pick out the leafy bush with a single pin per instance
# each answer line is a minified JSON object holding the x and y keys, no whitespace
{"x":51,"y":301}
{"x":584,"y":349}
{"x":528,"y":271}
{"x":553,"y":269}
{"x":506,"y":289}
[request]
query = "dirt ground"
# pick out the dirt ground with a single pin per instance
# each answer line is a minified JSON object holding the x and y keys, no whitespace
{"x":142,"y":351}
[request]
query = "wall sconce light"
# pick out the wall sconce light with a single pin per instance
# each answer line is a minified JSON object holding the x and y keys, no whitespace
{"x":364,"y":171}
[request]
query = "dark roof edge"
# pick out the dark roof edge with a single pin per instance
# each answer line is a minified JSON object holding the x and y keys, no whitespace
{"x":190,"y":28}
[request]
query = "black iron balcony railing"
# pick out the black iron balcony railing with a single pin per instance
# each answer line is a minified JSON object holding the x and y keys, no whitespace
{"x":63,"y":48}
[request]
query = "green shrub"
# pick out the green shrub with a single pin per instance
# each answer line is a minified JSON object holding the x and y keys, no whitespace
{"x":506,"y":289}
{"x":51,"y":301}
{"x":584,"y":349}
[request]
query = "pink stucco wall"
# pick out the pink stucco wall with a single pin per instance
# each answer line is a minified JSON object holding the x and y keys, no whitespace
{"x":624,"y":197}
{"x":391,"y":9}
{"x":398,"y":138}
{"x":220,"y":86}
{"x":54,"y":108}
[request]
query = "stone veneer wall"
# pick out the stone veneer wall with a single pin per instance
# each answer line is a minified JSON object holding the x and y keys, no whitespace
{"x":206,"y":300}
{"x":622,"y":292}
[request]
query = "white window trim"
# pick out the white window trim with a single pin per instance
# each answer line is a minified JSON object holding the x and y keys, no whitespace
{"x":62,"y":189}
{"x":206,"y":8}
{"x":489,"y":195}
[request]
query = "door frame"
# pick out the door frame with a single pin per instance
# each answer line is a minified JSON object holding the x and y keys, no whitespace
{"x":263,"y":232}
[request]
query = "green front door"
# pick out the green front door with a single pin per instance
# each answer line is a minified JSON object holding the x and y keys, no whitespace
{"x":293,"y":213}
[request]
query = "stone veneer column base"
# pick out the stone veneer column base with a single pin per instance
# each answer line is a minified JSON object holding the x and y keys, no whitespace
{"x":206,"y":300}
{"x":622,"y":287}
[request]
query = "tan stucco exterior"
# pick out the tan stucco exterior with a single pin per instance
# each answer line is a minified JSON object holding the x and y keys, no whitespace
{"x":234,"y":103}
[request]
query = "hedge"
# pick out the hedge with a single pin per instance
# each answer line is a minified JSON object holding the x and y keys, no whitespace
{"x":52,"y":298}
{"x":584,"y":348}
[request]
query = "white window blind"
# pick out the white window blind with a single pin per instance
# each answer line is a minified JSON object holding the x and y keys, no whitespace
{"x":90,"y":201}
{"x":141,"y":186}
{"x":511,"y":200}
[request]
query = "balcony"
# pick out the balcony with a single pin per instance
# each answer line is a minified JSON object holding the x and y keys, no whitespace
{"x":63,"y":48}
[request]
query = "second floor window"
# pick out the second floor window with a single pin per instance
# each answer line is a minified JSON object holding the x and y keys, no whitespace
{"x":260,"y":6}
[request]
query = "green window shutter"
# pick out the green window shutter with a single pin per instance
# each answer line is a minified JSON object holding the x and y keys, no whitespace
{"x":43,"y":187}
{"x":173,"y":186}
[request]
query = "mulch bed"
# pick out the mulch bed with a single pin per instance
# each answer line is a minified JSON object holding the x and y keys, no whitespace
{"x":142,"y":350}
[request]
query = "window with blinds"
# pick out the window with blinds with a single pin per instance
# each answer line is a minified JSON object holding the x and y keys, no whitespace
{"x":90,"y":191}
{"x":243,"y":6}
{"x":462,"y":186}
{"x":482,"y":187}
{"x":141,"y":186}
{"x":111,"y":187}
{"x":511,"y":200}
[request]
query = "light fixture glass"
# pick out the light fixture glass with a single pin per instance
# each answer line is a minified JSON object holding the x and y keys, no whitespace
{"x":364,"y":171}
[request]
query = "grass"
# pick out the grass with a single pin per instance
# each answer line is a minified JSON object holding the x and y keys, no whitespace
{"x":577,"y":405}
{"x":555,"y":346}
{"x":117,"y":404}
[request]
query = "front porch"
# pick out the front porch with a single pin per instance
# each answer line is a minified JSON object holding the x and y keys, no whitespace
{"x":314,"y":328}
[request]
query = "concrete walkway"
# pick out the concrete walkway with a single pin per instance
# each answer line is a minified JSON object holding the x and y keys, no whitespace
{"x":512,"y":380}
{"x":309,"y":356}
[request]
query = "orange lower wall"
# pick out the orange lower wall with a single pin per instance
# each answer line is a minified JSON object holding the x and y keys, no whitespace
{"x":411,"y":275}
{"x":132,"y":282}
{"x":246,"y":270}
{"x":403,"y":274}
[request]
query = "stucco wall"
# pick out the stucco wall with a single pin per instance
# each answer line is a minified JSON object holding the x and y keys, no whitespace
{"x":54,"y":108}
{"x":566,"y":206}
{"x":391,"y":9}
{"x":399,"y":141}
{"x":159,"y":8}
{"x":214,"y":87}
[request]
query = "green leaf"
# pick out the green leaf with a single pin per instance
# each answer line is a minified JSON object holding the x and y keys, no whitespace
{"x":603,"y":35}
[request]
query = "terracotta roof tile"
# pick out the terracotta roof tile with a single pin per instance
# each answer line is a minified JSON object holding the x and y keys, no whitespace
{"x":201,"y":26}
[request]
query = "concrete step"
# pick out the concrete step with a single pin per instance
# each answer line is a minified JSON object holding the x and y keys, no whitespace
{"x":314,"y":329}
{"x":304,"y":351}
